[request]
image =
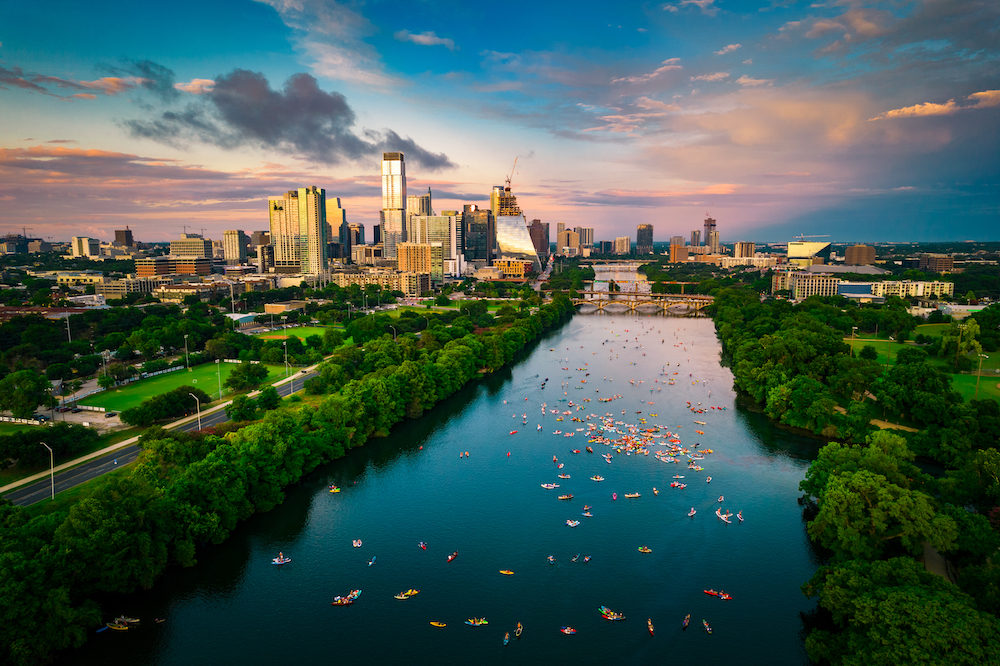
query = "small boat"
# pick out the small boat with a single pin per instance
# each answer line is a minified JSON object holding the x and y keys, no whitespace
{"x":687,"y":619}
{"x":691,"y":512}
{"x":565,"y":497}
{"x":117,"y":626}
{"x":506,"y":638}
{"x":708,"y":479}
{"x":513,"y":432}
{"x":517,"y":632}
{"x":453,"y":556}
{"x":700,"y":422}
{"x":568,"y":630}
{"x":476,"y":621}
{"x":334,"y":489}
{"x":644,"y":549}
{"x":342,"y":601}
{"x":586,"y":559}
{"x":597,"y":477}
{"x":649,"y":624}
{"x":740,"y":516}
{"x":614,"y":496}
{"x":282,"y":560}
{"x":712,"y":592}
{"x":587,"y":514}
{"x":550,"y":486}
{"x":708,"y":628}
{"x":564,"y":476}
{"x":552,"y":560}
{"x":422,"y":545}
{"x":507,"y":572}
{"x":402,"y":595}
{"x":575,"y":557}
{"x":438,"y":624}
{"x":371,"y":561}
{"x":632,"y":495}
{"x":411,"y":592}
{"x":572,"y":523}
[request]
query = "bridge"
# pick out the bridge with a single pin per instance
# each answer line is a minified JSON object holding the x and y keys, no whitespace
{"x":642,"y":302}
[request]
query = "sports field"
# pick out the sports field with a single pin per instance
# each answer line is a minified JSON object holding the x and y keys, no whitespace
{"x":202,"y":376}
{"x":11,"y":428}
{"x":302,"y":332}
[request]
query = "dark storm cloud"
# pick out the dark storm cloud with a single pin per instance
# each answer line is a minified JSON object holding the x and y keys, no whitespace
{"x":243,"y":110}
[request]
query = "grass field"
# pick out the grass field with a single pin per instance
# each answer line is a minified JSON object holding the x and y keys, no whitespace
{"x":931,"y":329}
{"x":201,"y":376}
{"x":302,"y":332}
{"x":11,"y":428}
{"x":989,"y":386}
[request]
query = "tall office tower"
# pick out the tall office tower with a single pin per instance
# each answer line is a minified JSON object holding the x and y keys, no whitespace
{"x":192,"y":245}
{"x":234,"y":247}
{"x":479,"y":234}
{"x":561,"y":227}
{"x":586,"y":236}
{"x":414,"y":258}
{"x":696,"y":238}
{"x":709,"y":227}
{"x":298,"y":231}
{"x":337,"y":228}
{"x":357,"y":230}
{"x":606,"y":247}
{"x":85,"y":247}
{"x":860,"y":255}
{"x":713,"y":242}
{"x":444,"y":235}
{"x":568,"y":243}
{"x":419,"y":204}
{"x":123,"y":237}
{"x":539,"y":232}
{"x":644,"y":239}
{"x":377,"y":234}
{"x":260,"y":238}
{"x":623,"y":245}
{"x":677,"y":240}
{"x":744,"y":249}
{"x":265,"y":258}
{"x":393,"y":215}
{"x":513,"y":239}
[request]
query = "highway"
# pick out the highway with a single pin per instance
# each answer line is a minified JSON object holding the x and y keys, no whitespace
{"x":42,"y":490}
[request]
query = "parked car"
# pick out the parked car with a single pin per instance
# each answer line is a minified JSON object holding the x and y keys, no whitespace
{"x":108,"y":415}
{"x":75,"y":410}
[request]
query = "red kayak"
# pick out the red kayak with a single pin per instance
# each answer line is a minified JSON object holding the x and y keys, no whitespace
{"x":453,"y":556}
{"x":712,"y":592}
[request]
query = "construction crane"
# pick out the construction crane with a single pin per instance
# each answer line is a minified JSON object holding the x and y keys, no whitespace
{"x":511,"y":175}
{"x":801,"y":236}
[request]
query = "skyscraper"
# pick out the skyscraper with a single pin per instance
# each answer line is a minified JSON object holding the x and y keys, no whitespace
{"x":357,"y":232}
{"x":513,"y":239}
{"x":299,"y":231}
{"x":677,"y":240}
{"x":539,"y":232}
{"x":644,"y":239}
{"x":393,"y":216}
{"x":709,"y":228}
{"x":444,"y":235}
{"x":123,"y":237}
{"x":337,"y":228}
{"x":696,"y":238}
{"x":713,"y":242}
{"x":623,"y":245}
{"x":586,"y":236}
{"x":234,"y":247}
{"x":479,"y":234}
{"x":419,"y":204}
{"x":260,"y":238}
{"x":744,"y":249}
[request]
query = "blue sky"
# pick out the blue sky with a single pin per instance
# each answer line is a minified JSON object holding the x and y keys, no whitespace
{"x":864,"y":120}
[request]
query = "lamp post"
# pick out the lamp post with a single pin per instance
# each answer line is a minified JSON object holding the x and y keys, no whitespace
{"x":889,"y":353}
{"x":393,"y":332}
{"x":199,"y":408}
{"x":427,"y":322}
{"x":981,"y":357}
{"x":853,"y":328}
{"x":285,"y":344}
{"x":218,"y":373}
{"x":52,"y":468}
{"x":187,"y":365}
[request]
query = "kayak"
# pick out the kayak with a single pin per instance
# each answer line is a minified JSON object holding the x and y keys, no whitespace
{"x":517,"y":632}
{"x":506,"y":638}
{"x":371,"y":561}
{"x":453,"y":556}
{"x":632,"y":495}
{"x":568,"y":630}
{"x":712,"y":592}
{"x":687,"y":619}
{"x":586,"y":558}
{"x":513,"y":432}
{"x":507,"y":572}
{"x":422,"y":545}
{"x":649,"y":623}
{"x":285,"y":560}
{"x":644,"y":549}
{"x":707,"y":627}
{"x":117,"y":626}
{"x":597,"y":478}
{"x":438,"y":624}
{"x":572,"y":523}
{"x":565,"y":497}
{"x":552,"y":560}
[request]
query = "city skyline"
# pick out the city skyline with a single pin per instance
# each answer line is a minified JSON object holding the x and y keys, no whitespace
{"x":874,"y":121}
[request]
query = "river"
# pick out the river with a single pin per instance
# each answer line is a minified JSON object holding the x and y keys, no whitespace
{"x":413,"y":486}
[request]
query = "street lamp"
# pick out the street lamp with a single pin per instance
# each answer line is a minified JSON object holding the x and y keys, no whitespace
{"x":285,"y":344}
{"x":393,"y":332}
{"x":853,"y":328}
{"x":981,"y":357}
{"x":52,"y":468}
{"x":218,"y":373}
{"x":199,"y":408}
{"x":186,"y":364}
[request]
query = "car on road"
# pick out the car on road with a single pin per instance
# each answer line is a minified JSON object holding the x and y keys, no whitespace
{"x":108,"y":415}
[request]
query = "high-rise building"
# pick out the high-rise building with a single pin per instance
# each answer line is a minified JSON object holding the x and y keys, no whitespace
{"x":123,"y":237}
{"x":444,"y":234}
{"x":539,"y":232}
{"x":678,"y":253}
{"x":357,"y":230}
{"x":419,"y":204}
{"x":696,"y":238}
{"x":677,"y":240}
{"x":513,"y":239}
{"x":709,"y":227}
{"x":560,"y":227}
{"x":192,"y":245}
{"x":644,"y":239}
{"x":606,"y":247}
{"x":81,"y":246}
{"x":414,"y":258}
{"x":713,"y":242}
{"x":234,"y":247}
{"x":937,"y":263}
{"x":337,"y":228}
{"x":265,"y":258}
{"x":586,"y":236}
{"x":377,"y":234}
{"x":299,"y":231}
{"x":623,"y":245}
{"x":260,"y":238}
{"x":479,"y":234}
{"x":568,"y":243}
{"x":393,"y":216}
{"x":744,"y":249}
{"x":860,"y":255}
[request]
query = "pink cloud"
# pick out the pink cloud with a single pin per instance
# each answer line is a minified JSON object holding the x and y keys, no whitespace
{"x":113,"y":85}
{"x":717,"y":76}
{"x":667,"y":66}
{"x":728,"y":49}
{"x":985,"y":99}
{"x":196,"y":86}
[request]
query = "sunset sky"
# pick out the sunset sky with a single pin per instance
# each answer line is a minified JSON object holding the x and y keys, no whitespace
{"x":867,"y":121}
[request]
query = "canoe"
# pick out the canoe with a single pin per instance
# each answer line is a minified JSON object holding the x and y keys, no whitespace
{"x":453,"y":556}
{"x":707,"y":627}
{"x":117,"y":626}
{"x":632,"y":495}
{"x":649,"y":623}
{"x":507,"y":572}
{"x":565,"y":497}
{"x":438,"y":624}
{"x":402,"y":595}
{"x":687,"y":619}
{"x":568,"y":630}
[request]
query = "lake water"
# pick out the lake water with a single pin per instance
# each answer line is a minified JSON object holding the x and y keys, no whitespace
{"x":236,"y":607}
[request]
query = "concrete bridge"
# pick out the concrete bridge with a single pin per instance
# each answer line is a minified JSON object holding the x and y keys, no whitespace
{"x":641,"y":302}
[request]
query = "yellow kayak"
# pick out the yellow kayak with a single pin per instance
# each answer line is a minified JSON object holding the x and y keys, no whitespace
{"x":507,"y":572}
{"x":438,"y":624}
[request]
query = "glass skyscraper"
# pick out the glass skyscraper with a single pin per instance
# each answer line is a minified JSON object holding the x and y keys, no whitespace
{"x":393,"y":216}
{"x":299,"y":231}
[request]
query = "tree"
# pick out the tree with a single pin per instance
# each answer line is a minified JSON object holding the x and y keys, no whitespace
{"x":268,"y":399}
{"x":868,"y":352}
{"x":242,"y":408}
{"x":21,"y":392}
{"x":883,"y":453}
{"x":246,"y":375}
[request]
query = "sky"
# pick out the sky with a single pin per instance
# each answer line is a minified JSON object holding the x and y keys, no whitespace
{"x":857,"y":121}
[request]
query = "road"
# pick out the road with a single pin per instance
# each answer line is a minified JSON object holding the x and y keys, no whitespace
{"x":42,"y":490}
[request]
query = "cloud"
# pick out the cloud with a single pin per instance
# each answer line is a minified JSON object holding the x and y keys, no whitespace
{"x":83,"y":96}
{"x":748,"y":61}
{"x":130,"y":75}
{"x":196,"y":86}
{"x":15,"y":77}
{"x":243,"y":110}
{"x":824,"y":26}
{"x":113,"y":85}
{"x":424,"y":39}
{"x":653,"y":105}
{"x":152,"y":77}
{"x":747,"y":81}
{"x":666,"y":66}
{"x":640,"y":30}
{"x":983,"y":100}
{"x":728,"y":49}
{"x":717,"y":76}
{"x":790,"y":25}
{"x":707,"y":6}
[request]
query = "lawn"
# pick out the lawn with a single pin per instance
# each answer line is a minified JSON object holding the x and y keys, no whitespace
{"x":883,"y":348}
{"x":934,"y":330}
{"x":201,"y":376}
{"x":11,"y":428}
{"x":302,"y":332}
{"x":989,"y":386}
